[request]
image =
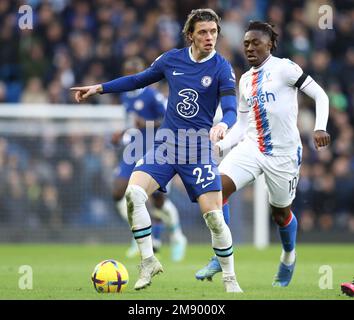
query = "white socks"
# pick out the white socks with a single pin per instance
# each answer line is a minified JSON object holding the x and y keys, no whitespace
{"x":170,"y":217}
{"x":221,"y":241}
{"x":139,"y":219}
{"x":288,"y":258}
{"x":122,"y":208}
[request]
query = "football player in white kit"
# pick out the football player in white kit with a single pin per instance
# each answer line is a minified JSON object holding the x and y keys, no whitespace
{"x":265,"y":138}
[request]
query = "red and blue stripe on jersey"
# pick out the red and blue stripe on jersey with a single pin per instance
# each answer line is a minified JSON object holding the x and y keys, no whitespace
{"x":262,"y":123}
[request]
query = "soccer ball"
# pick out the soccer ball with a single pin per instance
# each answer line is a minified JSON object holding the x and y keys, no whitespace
{"x":110,"y":276}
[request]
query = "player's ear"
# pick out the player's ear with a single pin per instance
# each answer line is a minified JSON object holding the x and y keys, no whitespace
{"x":269,"y":45}
{"x":190,"y":38}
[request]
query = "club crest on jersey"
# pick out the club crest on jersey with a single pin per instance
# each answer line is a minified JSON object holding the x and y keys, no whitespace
{"x":138,"y":104}
{"x":189,"y":107}
{"x":206,"y":81}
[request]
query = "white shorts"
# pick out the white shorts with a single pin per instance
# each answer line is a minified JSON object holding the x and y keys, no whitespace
{"x":244,"y":163}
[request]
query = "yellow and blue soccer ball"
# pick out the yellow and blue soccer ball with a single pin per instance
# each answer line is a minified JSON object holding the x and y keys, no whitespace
{"x":110,"y":276}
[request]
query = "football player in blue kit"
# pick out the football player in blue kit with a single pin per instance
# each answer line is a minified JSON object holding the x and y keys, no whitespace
{"x":198,"y":78}
{"x":145,"y":106}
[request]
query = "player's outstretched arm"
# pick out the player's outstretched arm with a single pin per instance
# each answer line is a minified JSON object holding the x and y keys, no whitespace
{"x":122,"y":84}
{"x":82,"y":93}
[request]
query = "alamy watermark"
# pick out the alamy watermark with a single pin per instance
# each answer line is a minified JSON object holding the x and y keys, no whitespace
{"x":25,"y":20}
{"x":166,"y":146}
{"x":326,"y":279}
{"x":326,"y":17}
{"x":25,"y":281}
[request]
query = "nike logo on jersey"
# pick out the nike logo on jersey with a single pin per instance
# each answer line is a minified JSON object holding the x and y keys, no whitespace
{"x":206,"y":184}
{"x":175,"y":73}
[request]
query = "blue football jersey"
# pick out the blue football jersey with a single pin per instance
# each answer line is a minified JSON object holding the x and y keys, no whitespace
{"x":194,"y":88}
{"x":147,"y":103}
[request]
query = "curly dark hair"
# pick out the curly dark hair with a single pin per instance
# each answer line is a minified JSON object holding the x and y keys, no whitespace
{"x":266,"y":28}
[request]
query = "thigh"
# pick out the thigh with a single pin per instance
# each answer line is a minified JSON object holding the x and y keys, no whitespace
{"x":199,"y":178}
{"x":281,"y":177}
{"x":241,"y":165}
{"x":228,"y":187}
{"x":161,"y":174}
{"x":145,"y":181}
{"x":210,"y":201}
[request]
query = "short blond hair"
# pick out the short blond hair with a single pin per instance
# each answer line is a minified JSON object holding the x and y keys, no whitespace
{"x":197,"y":15}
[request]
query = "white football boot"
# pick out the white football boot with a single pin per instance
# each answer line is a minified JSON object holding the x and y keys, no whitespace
{"x":147,"y":269}
{"x":231,"y":285}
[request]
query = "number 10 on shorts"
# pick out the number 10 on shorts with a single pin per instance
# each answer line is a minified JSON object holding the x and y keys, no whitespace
{"x":292,"y":185}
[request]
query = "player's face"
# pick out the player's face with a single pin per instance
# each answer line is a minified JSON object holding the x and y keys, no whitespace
{"x":204,"y":36}
{"x":257,"y":47}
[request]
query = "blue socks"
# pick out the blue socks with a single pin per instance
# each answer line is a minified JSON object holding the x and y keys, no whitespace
{"x":288,"y":234}
{"x":226,"y":212}
{"x":157,"y":229}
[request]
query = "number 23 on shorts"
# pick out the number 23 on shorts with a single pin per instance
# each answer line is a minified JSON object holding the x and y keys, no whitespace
{"x":209,"y":179}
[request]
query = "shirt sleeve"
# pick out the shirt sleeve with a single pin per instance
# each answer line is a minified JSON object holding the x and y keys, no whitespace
{"x":293,"y":74}
{"x":140,"y":80}
{"x":314,"y":91}
{"x":160,"y":103}
{"x":242,"y":103}
{"x":227,"y":95}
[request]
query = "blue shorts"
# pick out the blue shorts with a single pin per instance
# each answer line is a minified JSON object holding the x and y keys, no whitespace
{"x":124,"y":170}
{"x":198,"y":178}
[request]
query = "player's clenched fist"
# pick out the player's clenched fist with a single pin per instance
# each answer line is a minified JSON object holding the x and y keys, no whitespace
{"x":218,"y":132}
{"x":321,"y":139}
{"x":82,"y":93}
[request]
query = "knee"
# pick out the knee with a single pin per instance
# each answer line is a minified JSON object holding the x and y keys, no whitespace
{"x":135,"y":195}
{"x":215,"y":221}
{"x":280,"y":215}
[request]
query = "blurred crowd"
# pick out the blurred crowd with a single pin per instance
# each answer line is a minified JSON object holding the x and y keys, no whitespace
{"x":86,"y":42}
{"x":55,"y":180}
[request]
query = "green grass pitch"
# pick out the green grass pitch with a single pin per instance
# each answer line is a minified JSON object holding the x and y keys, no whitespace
{"x":64,"y":271}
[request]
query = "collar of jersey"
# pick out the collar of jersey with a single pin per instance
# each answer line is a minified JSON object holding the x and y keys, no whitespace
{"x":212,"y":54}
{"x":262,"y":64}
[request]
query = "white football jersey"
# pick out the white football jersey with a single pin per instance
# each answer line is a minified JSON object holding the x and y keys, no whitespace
{"x":269,"y":94}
